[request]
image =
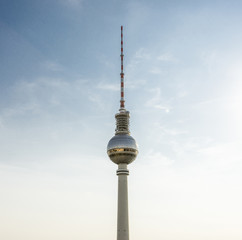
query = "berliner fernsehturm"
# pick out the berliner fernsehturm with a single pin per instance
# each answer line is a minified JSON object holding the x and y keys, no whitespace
{"x":122,"y":150}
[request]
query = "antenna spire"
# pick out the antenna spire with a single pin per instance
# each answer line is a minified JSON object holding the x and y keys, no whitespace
{"x":122,"y":73}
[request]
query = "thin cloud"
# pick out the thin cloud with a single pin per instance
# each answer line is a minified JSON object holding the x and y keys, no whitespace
{"x":44,"y":95}
{"x":222,"y":155}
{"x":97,"y":99}
{"x":73,"y":3}
{"x":53,"y":66}
{"x":142,"y":54}
{"x":171,"y":131}
{"x":157,"y":71}
{"x":166,"y":57}
{"x":108,"y":86}
{"x":157,"y":159}
{"x":156,"y":101}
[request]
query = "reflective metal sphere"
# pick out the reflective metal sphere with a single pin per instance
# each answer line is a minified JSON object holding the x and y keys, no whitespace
{"x":122,"y":148}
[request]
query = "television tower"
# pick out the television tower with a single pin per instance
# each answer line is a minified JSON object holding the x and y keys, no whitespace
{"x":122,"y":150}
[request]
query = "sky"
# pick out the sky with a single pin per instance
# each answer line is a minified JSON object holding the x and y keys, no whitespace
{"x":59,"y":92}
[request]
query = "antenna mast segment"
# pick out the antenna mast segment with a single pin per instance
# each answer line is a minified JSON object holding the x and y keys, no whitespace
{"x":122,"y":73}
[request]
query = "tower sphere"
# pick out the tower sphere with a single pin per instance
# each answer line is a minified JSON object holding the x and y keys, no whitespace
{"x":122,"y":148}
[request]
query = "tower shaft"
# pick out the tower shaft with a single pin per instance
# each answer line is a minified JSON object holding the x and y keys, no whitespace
{"x":122,"y":150}
{"x":123,"y":212}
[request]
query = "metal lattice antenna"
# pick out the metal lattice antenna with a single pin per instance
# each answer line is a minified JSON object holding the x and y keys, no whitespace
{"x":122,"y":73}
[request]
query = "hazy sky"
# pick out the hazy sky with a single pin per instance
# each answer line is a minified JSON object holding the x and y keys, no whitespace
{"x":59,"y":92}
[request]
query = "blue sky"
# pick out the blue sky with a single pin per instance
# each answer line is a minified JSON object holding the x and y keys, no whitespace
{"x":59,"y":76}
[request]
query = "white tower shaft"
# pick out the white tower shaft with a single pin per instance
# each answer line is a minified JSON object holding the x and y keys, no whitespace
{"x":123,"y":212}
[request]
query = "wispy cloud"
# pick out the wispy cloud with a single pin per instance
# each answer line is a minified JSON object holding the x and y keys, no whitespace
{"x":108,"y":86}
{"x":171,"y":131}
{"x":29,"y":107}
{"x":166,"y":57}
{"x":73,"y":3}
{"x":157,"y":159}
{"x":46,"y":95}
{"x":156,"y":101}
{"x":222,"y":155}
{"x":1,"y":123}
{"x":157,"y":70}
{"x":53,"y":66}
{"x":142,"y":54}
{"x":97,"y":99}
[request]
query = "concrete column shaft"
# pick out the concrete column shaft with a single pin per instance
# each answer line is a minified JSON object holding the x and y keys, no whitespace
{"x":123,"y":213}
